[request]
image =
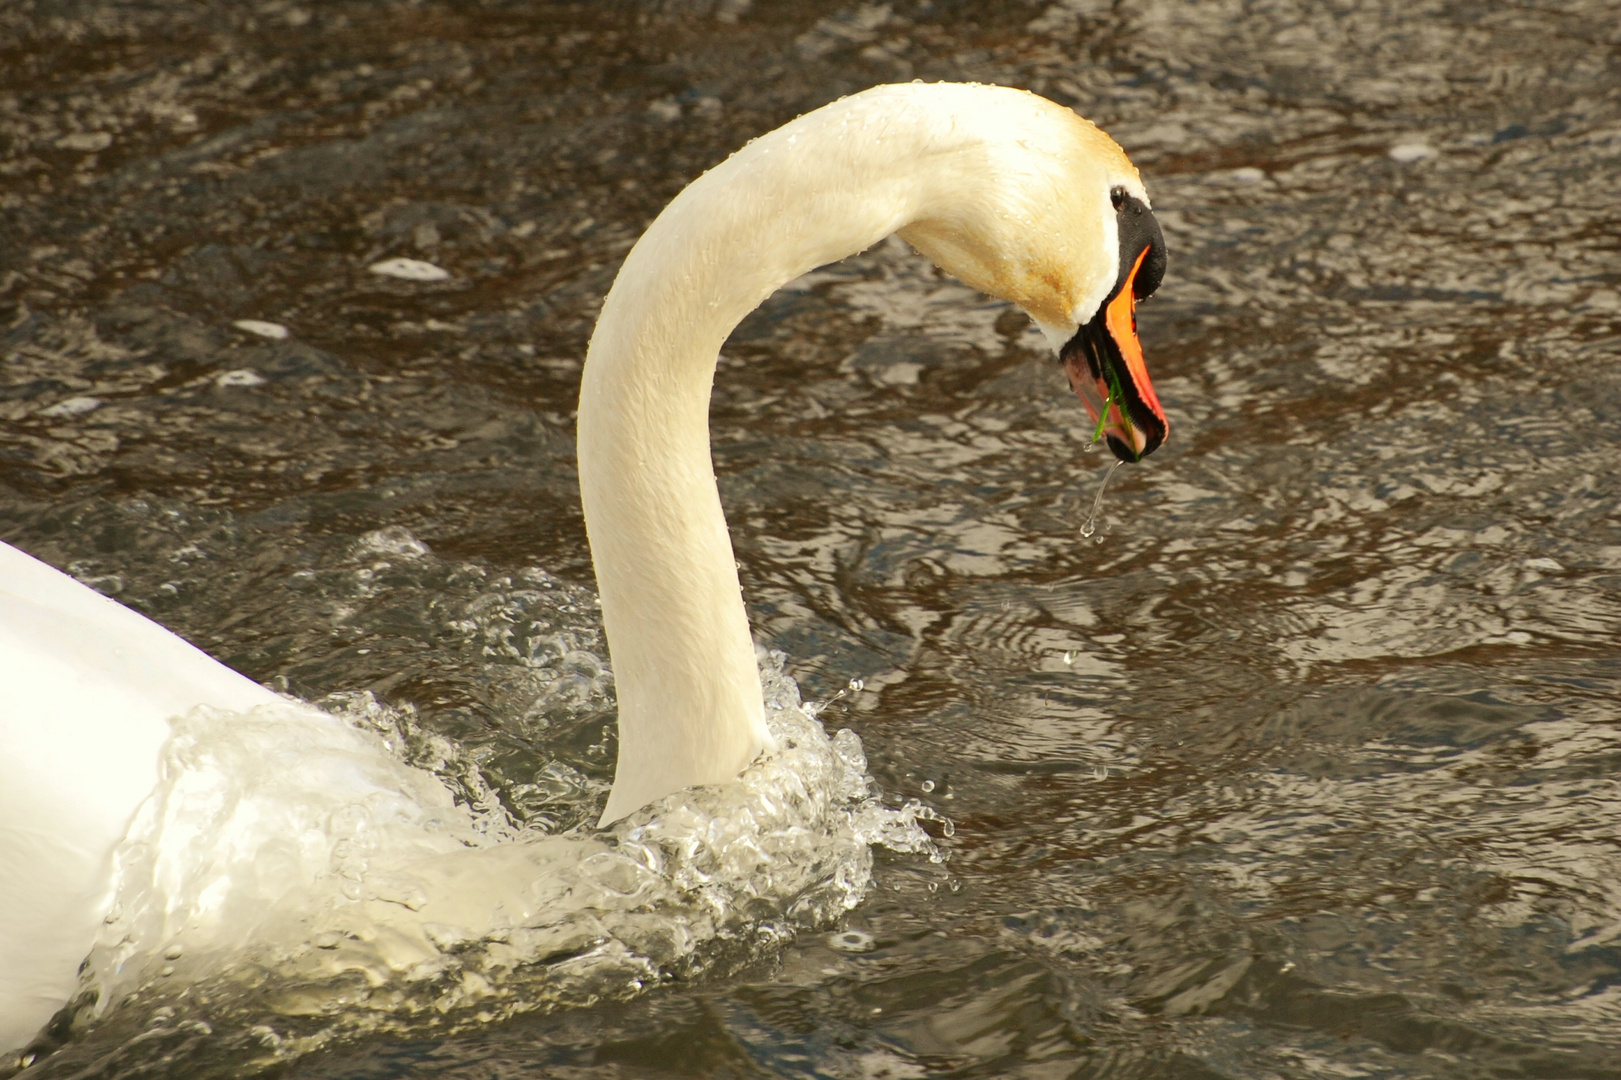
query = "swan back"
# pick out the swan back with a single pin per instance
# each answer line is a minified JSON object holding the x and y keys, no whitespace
{"x":89,"y":688}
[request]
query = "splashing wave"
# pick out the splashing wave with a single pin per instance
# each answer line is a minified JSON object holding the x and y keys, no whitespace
{"x":293,"y":880}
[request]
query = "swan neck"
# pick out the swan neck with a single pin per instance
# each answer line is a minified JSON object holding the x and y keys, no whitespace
{"x":690,"y":708}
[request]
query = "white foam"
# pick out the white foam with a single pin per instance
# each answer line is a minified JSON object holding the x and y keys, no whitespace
{"x":409,"y":270}
{"x":73,"y":406}
{"x":274,"y":331}
{"x":239,"y":377}
{"x":1409,"y":152}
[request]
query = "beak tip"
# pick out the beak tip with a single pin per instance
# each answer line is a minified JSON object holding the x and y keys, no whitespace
{"x":1125,"y":453}
{"x":1131,"y":453}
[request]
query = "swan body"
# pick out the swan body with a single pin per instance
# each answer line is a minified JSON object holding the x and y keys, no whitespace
{"x":89,"y":687}
{"x":1011,"y":193}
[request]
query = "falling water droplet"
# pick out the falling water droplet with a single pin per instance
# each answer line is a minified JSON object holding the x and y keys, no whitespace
{"x":928,"y":786}
{"x":857,"y":685}
{"x":1090,"y":526}
{"x":1070,"y":654}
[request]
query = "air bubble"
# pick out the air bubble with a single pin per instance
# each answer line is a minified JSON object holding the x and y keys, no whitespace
{"x":852,"y":941}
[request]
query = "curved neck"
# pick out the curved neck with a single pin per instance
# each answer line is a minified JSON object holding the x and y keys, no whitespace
{"x":825,"y":186}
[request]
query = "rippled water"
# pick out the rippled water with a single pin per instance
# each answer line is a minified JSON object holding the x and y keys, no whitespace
{"x":1304,"y":764}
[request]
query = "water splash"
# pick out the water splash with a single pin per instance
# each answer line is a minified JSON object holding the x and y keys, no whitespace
{"x":1090,"y":525}
{"x":294,"y":880}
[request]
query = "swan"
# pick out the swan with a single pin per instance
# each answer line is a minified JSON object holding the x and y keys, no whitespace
{"x":1012,"y":194}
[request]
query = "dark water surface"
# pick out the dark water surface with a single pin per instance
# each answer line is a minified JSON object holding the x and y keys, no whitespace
{"x":1308,"y":766}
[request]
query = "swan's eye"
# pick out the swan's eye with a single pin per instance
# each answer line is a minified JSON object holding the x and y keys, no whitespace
{"x":1117,"y":196}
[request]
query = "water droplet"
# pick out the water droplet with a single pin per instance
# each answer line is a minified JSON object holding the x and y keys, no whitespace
{"x":928,"y":786}
{"x":1071,"y":654}
{"x":1090,"y":525}
{"x":857,"y":685}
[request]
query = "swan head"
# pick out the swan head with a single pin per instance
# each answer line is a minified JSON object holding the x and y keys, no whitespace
{"x":1104,"y":358}
{"x":1041,"y":208}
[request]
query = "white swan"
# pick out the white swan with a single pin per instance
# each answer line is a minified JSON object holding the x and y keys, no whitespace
{"x":1009,"y":192}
